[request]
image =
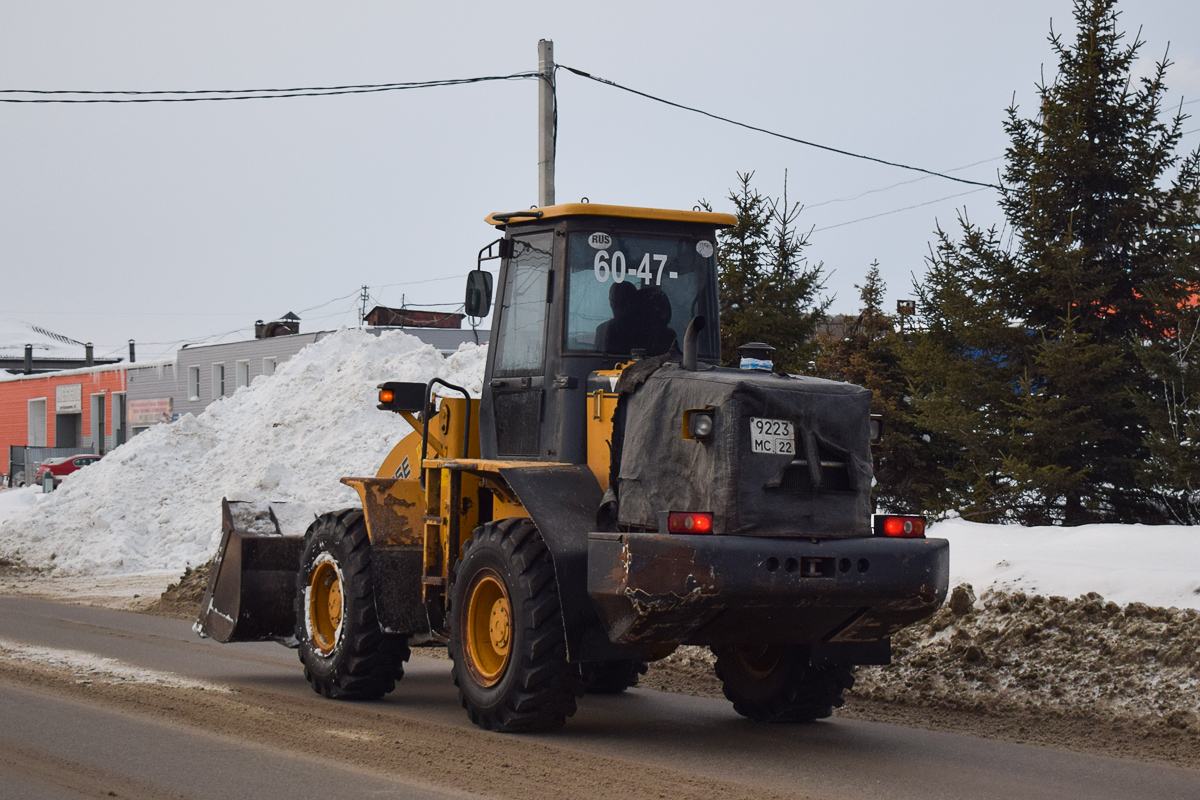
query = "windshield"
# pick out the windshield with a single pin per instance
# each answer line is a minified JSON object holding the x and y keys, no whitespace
{"x":632,"y":290}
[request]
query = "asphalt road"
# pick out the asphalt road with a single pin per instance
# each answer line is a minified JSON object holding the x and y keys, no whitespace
{"x":58,"y":743}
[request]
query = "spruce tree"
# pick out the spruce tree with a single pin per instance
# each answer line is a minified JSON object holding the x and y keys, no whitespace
{"x":962,"y":374}
{"x":870,"y":353}
{"x":769,"y":292}
{"x":1078,"y":306}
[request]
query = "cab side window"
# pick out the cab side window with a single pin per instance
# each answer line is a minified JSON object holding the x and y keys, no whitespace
{"x":522,"y":338}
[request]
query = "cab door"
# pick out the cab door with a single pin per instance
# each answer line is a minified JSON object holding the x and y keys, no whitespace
{"x":517,"y":383}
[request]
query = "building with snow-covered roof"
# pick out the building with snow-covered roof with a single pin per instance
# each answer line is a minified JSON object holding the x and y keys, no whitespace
{"x":27,"y":348}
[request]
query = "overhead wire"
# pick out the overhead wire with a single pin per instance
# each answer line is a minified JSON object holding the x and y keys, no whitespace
{"x":776,"y":134}
{"x":201,"y":95}
{"x":896,"y":185}
{"x":898,"y":210}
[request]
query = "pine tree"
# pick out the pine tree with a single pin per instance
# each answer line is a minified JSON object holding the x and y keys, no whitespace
{"x":769,"y":291}
{"x":1104,"y":251}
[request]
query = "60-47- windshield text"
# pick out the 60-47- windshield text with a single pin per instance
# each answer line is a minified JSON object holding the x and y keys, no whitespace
{"x":615,"y":267}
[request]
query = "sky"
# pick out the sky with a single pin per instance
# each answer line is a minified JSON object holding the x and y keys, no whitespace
{"x":185,"y":222}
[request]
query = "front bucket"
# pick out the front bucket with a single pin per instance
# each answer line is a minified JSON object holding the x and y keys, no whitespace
{"x":252,"y":588}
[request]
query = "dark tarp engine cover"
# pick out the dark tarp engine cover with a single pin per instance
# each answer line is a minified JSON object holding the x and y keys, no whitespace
{"x":822,"y":488}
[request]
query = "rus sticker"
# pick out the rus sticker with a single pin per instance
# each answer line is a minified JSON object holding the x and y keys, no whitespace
{"x":704,"y":248}
{"x":602,"y":241}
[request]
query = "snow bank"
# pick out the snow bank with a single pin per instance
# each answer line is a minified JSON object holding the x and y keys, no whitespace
{"x":154,"y":503}
{"x":1158,"y":565}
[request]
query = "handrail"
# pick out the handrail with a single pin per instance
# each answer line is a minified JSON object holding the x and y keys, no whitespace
{"x":425,"y":419}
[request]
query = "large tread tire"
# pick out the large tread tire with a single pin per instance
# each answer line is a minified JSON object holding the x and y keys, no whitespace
{"x":364,"y":663}
{"x":611,"y":677}
{"x":777,"y":684}
{"x":536,"y":688}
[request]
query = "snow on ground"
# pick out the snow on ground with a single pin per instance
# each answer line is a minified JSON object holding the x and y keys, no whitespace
{"x":1158,"y":565}
{"x":88,"y":667}
{"x":154,"y":503}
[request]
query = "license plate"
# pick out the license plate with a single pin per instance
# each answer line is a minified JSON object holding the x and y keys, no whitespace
{"x":776,"y":436}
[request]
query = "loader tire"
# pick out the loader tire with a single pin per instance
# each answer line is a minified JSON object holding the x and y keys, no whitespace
{"x":611,"y":677}
{"x":506,"y":632}
{"x":346,"y":655}
{"x":777,"y":684}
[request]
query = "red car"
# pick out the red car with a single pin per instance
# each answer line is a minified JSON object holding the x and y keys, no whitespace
{"x":61,"y":467}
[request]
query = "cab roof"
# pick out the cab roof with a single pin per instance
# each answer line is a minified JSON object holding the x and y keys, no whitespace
{"x":501,"y":219}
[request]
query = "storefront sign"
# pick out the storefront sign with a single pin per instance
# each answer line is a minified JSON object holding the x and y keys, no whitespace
{"x":148,"y":412}
{"x":68,"y":398}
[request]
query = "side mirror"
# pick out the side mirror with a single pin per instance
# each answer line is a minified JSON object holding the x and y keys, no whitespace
{"x":479,"y":293}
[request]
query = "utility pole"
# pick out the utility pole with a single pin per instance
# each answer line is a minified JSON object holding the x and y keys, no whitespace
{"x":546,"y":114}
{"x":364,"y":296}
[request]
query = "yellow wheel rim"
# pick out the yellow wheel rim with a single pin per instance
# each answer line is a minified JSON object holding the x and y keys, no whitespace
{"x":325,"y":606}
{"x":487,"y":627}
{"x":758,"y":661}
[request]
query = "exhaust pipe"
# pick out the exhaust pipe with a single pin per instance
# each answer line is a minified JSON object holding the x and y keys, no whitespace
{"x":690,"y":338}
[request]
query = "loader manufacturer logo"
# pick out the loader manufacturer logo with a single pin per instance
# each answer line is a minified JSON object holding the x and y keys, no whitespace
{"x":777,"y":436}
{"x":404,"y":470}
{"x":600,"y":241}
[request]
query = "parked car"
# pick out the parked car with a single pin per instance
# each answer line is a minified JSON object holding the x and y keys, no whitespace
{"x":61,"y":467}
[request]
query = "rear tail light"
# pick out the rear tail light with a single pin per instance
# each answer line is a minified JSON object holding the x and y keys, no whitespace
{"x":900,"y":527}
{"x":689,"y":522}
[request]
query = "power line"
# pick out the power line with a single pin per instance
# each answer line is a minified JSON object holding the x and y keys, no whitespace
{"x":198,"y":95}
{"x":895,"y":185}
{"x":839,"y":151}
{"x":427,"y":280}
{"x":898,"y":210}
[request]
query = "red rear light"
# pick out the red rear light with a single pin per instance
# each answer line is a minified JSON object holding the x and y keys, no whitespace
{"x":900,"y":527}
{"x":689,"y":522}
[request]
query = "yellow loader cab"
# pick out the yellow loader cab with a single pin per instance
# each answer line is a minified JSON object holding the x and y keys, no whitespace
{"x":613,"y":493}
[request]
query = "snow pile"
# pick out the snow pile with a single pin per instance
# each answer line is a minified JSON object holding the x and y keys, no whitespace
{"x":1015,"y":652}
{"x":17,"y":501}
{"x":154,"y":503}
{"x":1158,"y":565}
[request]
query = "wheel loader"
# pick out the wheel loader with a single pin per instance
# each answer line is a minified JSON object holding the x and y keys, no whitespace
{"x":612,"y":494}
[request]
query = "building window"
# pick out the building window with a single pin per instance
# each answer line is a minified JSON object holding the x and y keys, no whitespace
{"x":269,"y":366}
{"x":218,"y":380}
{"x":193,"y":383}
{"x":243,"y":374}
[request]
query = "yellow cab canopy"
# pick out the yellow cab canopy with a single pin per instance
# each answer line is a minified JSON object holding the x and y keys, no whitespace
{"x":501,"y":219}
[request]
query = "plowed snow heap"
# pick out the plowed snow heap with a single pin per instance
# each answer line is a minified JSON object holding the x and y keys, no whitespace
{"x":149,"y":505}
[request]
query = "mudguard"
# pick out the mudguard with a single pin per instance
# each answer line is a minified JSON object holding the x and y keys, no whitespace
{"x":562,"y":501}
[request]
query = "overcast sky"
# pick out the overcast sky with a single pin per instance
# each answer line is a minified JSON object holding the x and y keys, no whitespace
{"x":177,"y":222}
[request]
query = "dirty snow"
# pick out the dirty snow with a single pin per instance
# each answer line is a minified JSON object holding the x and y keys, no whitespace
{"x":154,"y":503}
{"x":88,"y":667}
{"x":1009,"y":652}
